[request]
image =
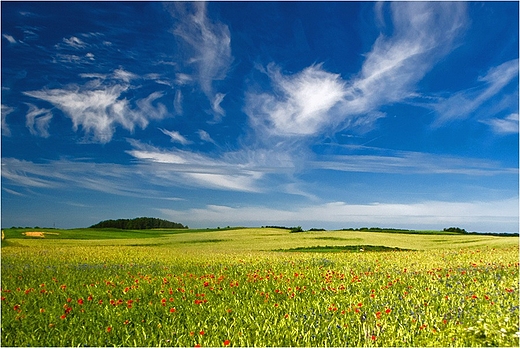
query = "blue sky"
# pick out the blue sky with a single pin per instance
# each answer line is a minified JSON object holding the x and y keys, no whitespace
{"x":319,"y":114}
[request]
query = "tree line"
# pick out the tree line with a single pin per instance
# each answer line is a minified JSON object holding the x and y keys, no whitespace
{"x":141,"y":223}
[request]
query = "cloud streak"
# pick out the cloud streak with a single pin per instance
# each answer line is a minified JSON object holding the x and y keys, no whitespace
{"x":476,"y":215}
{"x":208,"y":46}
{"x":40,"y":119}
{"x":462,"y":104}
{"x":99,"y":106}
{"x":314,"y":101}
{"x":503,"y":126}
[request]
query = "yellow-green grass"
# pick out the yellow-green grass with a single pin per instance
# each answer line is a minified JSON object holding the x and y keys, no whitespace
{"x":228,"y":287}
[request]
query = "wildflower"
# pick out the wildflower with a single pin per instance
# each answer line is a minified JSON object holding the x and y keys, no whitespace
{"x":378,"y":315}
{"x":109,"y":328}
{"x":201,"y":332}
{"x":63,"y":316}
{"x":373,"y":337}
{"x":80,"y":301}
{"x":42,"y":310}
{"x":197,"y":345}
{"x":173,"y":310}
{"x":388,"y":310}
{"x":226,"y":342}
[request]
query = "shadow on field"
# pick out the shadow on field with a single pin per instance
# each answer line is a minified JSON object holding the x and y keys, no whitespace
{"x":343,"y":249}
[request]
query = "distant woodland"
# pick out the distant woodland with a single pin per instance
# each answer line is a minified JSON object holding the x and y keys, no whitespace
{"x":141,"y":223}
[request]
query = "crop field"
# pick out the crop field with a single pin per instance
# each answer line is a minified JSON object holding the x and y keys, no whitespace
{"x":257,"y":287}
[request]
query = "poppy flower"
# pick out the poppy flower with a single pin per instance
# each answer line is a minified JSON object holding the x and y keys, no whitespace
{"x":172,"y":310}
{"x":226,"y":342}
{"x":201,"y":332}
{"x":109,"y":328}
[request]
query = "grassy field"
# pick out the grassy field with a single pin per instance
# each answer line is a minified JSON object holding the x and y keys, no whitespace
{"x":258,"y":286}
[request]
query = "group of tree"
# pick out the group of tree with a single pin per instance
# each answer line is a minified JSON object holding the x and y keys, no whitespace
{"x":455,"y":229}
{"x":141,"y":223}
{"x":292,"y":229}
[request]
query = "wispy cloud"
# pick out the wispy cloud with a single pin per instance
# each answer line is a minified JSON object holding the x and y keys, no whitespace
{"x":409,"y":162}
{"x":175,"y":136}
{"x":231,"y":172}
{"x":39,"y":118}
{"x":99,"y":106}
{"x":473,"y":215}
{"x":10,"y":38}
{"x":314,"y":100}
{"x":507,"y":125}
{"x":208,"y":48}
{"x":74,"y":42}
{"x":300,"y":104}
{"x":6,"y":110}
{"x":462,"y":104}
{"x":204,"y":136}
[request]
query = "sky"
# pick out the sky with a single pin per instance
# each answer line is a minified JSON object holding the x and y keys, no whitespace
{"x":315,"y":114}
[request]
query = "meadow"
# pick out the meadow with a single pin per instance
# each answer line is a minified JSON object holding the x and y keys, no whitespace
{"x":258,"y":287}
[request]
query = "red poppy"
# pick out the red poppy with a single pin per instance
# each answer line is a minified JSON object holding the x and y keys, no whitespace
{"x":172,"y":310}
{"x":80,"y":301}
{"x":226,"y":342}
{"x":201,"y":332}
{"x":388,"y":310}
{"x":63,"y":316}
{"x":109,"y":328}
{"x":374,"y":337}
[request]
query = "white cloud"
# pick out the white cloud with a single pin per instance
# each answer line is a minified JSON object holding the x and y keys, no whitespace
{"x":74,"y":42}
{"x":474,"y":215}
{"x":233,"y":172}
{"x":177,"y":102}
{"x":408,"y":162}
{"x":209,"y":46}
{"x":124,"y":75}
{"x":463,"y":103}
{"x":204,"y":136}
{"x":299,"y":105}
{"x":6,"y":110}
{"x":9,"y":38}
{"x":215,"y":105}
{"x":39,"y":118}
{"x":313,"y":100}
{"x":99,"y":106}
{"x":175,"y":136}
{"x":507,"y":125}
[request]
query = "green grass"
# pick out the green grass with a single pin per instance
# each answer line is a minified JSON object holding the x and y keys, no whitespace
{"x":234,"y":287}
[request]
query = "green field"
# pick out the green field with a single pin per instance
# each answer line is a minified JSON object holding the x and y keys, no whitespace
{"x":258,"y":287}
